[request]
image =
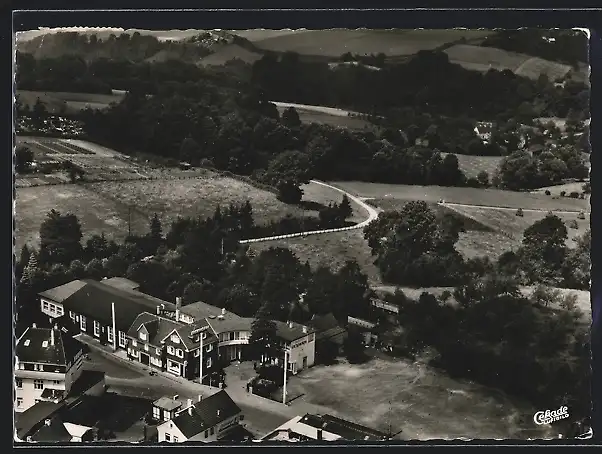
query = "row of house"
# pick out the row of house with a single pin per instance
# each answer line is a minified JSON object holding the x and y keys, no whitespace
{"x":188,"y":341}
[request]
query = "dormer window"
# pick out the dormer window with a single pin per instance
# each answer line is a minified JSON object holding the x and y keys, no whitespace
{"x":142,"y":335}
{"x":175,"y":338}
{"x":27,"y":343}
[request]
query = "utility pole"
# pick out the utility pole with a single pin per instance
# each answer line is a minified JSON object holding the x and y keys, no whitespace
{"x":201,"y":359}
{"x":285,"y":367}
{"x":129,"y":221}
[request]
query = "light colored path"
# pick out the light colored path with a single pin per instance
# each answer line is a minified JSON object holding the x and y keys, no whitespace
{"x":372,"y":215}
{"x":529,"y":210}
{"x":321,"y":109}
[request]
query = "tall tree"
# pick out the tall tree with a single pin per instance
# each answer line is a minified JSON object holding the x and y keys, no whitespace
{"x":263,"y":335}
{"x":60,"y":237}
{"x":23,"y":159}
{"x":156,"y":229}
{"x":345,"y":209}
{"x":290,"y":118}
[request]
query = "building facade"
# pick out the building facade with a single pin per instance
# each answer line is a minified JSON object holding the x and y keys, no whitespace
{"x":48,"y":362}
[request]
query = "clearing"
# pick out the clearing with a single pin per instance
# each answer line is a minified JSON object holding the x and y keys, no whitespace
{"x":334,"y":43}
{"x":472,"y":165}
{"x":415,"y":398}
{"x":57,"y":102}
{"x":326,"y":115}
{"x":483,"y":59}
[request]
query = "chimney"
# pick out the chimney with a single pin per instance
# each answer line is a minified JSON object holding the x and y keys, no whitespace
{"x":34,"y":326}
{"x":52,"y":336}
{"x":319,"y":437}
{"x":158,"y":310}
{"x":189,"y":406}
{"x":176,"y":397}
{"x":218,"y":412}
{"x":223,"y":311}
{"x":47,"y":422}
{"x":200,"y":397}
{"x":290,"y":324}
{"x":178,"y":306}
{"x":304,"y":329}
{"x":190,"y":410}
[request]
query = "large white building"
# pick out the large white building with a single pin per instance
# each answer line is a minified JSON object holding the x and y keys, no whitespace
{"x":48,"y":361}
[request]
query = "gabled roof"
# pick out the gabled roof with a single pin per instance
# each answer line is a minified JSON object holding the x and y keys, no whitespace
{"x":27,"y":421}
{"x":168,"y":403}
{"x":293,"y":331}
{"x":53,"y":431}
{"x":205,"y":414}
{"x":35,"y":346}
{"x":86,"y":380}
{"x":229,"y":322}
{"x":95,"y":298}
{"x":158,"y":328}
{"x":62,"y":292}
{"x":122,"y":283}
{"x":200,"y":310}
{"x":345,"y":429}
{"x":191,"y":342}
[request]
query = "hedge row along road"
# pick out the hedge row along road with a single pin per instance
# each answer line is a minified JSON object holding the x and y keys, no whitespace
{"x":372,"y":215}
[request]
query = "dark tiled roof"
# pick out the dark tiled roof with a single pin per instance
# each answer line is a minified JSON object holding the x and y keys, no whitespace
{"x":346,"y":429}
{"x":167,"y":403}
{"x":95,"y":298}
{"x":157,"y":327}
{"x":229,"y":322}
{"x":205,"y":415}
{"x":189,"y":341}
{"x":27,"y":421}
{"x":62,"y":292}
{"x":86,"y":380}
{"x":52,"y":394}
{"x":35,"y":346}
{"x":327,"y":327}
{"x":291,"y":333}
{"x":200,"y":310}
{"x":54,"y":431}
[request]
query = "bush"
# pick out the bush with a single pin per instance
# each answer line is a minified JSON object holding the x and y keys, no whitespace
{"x":548,"y":192}
{"x":573,"y":224}
{"x":574,"y":195}
{"x":562,"y":193}
{"x":519,"y":212}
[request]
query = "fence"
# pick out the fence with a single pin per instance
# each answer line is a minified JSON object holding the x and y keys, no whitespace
{"x":300,"y":234}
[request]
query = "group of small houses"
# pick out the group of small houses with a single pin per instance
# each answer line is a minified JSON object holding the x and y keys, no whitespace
{"x":186,"y":341}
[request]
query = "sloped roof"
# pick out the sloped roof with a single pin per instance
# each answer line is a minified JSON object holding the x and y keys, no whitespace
{"x":54,"y":431}
{"x":94,"y":300}
{"x":291,"y":333}
{"x":185,"y":333}
{"x":168,"y":403}
{"x":35,"y":346}
{"x":229,"y":322}
{"x":205,"y":414}
{"x":121,"y":282}
{"x":62,"y":292}
{"x":52,"y":394}
{"x":30,"y":418}
{"x":158,"y":327}
{"x":86,"y":380}
{"x":200,"y":310}
{"x":345,"y":429}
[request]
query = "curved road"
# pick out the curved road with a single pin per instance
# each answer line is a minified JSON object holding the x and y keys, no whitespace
{"x":372,"y":215}
{"x":528,"y":210}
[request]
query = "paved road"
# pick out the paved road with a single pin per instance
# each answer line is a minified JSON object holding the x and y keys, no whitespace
{"x":372,"y":212}
{"x":320,"y":109}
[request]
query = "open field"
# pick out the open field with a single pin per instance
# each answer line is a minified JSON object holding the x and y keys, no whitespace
{"x":334,"y":43}
{"x":567,"y":188}
{"x":472,"y":165}
{"x":471,"y":196}
{"x":420,"y":401}
{"x":71,"y":102}
{"x":331,"y":250}
{"x":228,"y":53}
{"x":483,"y":59}
{"x":259,"y":34}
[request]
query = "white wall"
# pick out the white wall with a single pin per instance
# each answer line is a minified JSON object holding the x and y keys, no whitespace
{"x":218,"y":431}
{"x":298,"y":351}
{"x":170,"y":428}
{"x":29,"y":394}
{"x":53,"y":309}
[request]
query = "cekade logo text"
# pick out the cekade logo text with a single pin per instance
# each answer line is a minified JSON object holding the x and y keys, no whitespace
{"x":549,"y":416}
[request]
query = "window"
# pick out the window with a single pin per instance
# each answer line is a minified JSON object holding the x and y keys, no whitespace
{"x":167,"y":437}
{"x":208,"y":363}
{"x":158,"y":351}
{"x":45,"y":305}
{"x":110,"y":334}
{"x":134,"y":343}
{"x":37,"y":401}
{"x":175,"y":439}
{"x":82,"y":323}
{"x":56,"y":382}
{"x":197,"y":353}
{"x":38,"y":367}
{"x":145,"y":347}
{"x":209,"y":347}
{"x":180,"y":353}
{"x":204,"y":335}
{"x":122,"y":339}
{"x":38,"y":384}
{"x":19,"y":383}
{"x":175,"y":338}
{"x":72,"y":315}
{"x":96,"y":328}
{"x":19,"y":401}
{"x":171,"y":350}
{"x":231,"y":336}
{"x":156,"y":413}
{"x":206,"y":433}
{"x":52,"y":309}
{"x":60,"y":310}
{"x":212,"y":431}
{"x":236,"y":335}
{"x":142,"y":335}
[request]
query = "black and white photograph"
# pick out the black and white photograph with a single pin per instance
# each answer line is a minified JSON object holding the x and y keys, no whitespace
{"x":301,"y":235}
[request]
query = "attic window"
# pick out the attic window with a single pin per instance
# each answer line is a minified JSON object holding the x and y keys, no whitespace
{"x":26,"y":343}
{"x":175,"y":338}
{"x":45,"y":344}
